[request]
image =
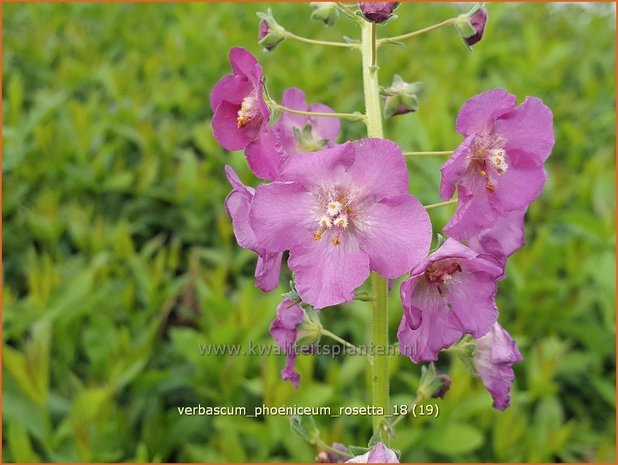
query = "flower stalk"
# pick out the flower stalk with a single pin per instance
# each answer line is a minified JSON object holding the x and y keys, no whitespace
{"x":436,"y":153}
{"x":440,"y":204}
{"x":351,"y":116}
{"x":409,"y":35}
{"x":379,"y":375}
{"x":289,"y":35}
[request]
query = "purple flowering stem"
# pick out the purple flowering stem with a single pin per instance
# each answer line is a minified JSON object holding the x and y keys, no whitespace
{"x":390,"y":40}
{"x":379,"y":369}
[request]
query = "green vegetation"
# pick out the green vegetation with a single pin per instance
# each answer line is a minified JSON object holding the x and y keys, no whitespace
{"x":119,"y":259}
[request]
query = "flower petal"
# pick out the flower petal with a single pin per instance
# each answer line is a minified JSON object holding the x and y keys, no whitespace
{"x":473,"y":214}
{"x":267,"y":271}
{"x":324,"y":127}
{"x":242,"y":61}
{"x":454,"y":168}
{"x":502,"y":240}
{"x":528,"y":128}
{"x":231,"y":89}
{"x":238,"y":204}
{"x":439,"y":328}
{"x":472,"y":297}
{"x":379,"y":169}
{"x":496,"y":352}
{"x":265,"y":156}
{"x":396,"y":234}
{"x":281,"y":215}
{"x":327,"y":274}
{"x":294,"y":98}
{"x":518,"y":187}
{"x":318,"y":168}
{"x":225,"y":128}
{"x":479,"y":113}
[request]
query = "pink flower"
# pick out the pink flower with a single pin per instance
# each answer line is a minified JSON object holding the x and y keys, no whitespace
{"x":300,"y":133}
{"x":240,"y":112}
{"x":342,"y":212}
{"x":238,"y":205}
{"x":379,"y":453}
{"x":284,"y":330}
{"x":496,"y":352}
{"x":451,"y":293}
{"x":498,"y":167}
{"x":291,"y":135}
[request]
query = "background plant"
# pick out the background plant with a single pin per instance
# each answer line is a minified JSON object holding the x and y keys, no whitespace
{"x":119,"y":259}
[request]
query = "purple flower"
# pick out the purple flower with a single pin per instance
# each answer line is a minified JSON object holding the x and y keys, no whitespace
{"x":291,"y":135}
{"x":379,"y":453}
{"x":452,"y":292}
{"x":477,"y":21}
{"x":377,"y":12}
{"x":496,"y":352}
{"x":498,"y":167}
{"x":299,"y":133}
{"x":238,"y":205}
{"x":240,"y":112}
{"x":342,"y":212}
{"x":284,"y":330}
{"x":503,"y":239}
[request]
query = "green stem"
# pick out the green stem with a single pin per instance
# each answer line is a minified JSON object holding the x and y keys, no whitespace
{"x":379,"y":375}
{"x":440,"y":204}
{"x":428,"y":154}
{"x":290,"y":35}
{"x":334,"y":337}
{"x":350,"y":116}
{"x":390,"y":40}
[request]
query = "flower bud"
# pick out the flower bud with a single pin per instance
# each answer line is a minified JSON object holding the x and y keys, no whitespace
{"x":434,"y":383}
{"x":445,"y":384}
{"x":326,"y":12}
{"x":471,"y":25}
{"x":270,"y":33}
{"x":401,"y":97}
{"x":377,"y":12}
{"x":310,"y":330}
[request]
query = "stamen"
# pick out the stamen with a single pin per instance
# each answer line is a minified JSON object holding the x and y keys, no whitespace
{"x":336,"y":240}
{"x":246,"y":112}
{"x":333,"y":208}
{"x":326,"y":222}
{"x":341,"y":221}
{"x":497,"y":160}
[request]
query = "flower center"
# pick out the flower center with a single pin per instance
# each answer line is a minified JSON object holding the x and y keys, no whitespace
{"x":248,"y":111}
{"x":489,"y":158}
{"x":335,"y":218}
{"x":442,"y":272}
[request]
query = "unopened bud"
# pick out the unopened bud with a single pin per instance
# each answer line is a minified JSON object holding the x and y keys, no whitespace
{"x":471,"y":25}
{"x":310,"y":330}
{"x":377,"y":12}
{"x":401,"y":97}
{"x":270,"y":33}
{"x":326,"y":12}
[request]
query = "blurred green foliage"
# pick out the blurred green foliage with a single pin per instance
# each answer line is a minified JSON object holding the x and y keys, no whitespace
{"x":119,"y":259}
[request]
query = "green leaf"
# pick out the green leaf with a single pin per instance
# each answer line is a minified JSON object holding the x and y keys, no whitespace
{"x":454,"y":439}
